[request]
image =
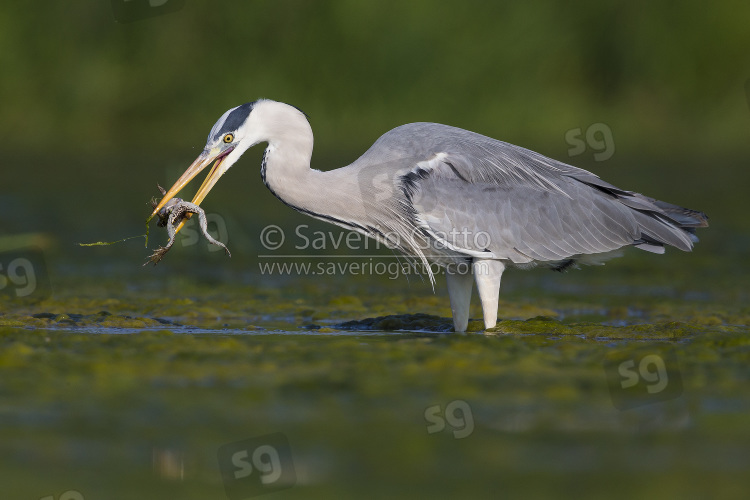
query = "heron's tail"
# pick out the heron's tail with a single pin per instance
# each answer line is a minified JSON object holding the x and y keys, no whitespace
{"x":660,"y":223}
{"x":686,"y":218}
{"x":670,"y":224}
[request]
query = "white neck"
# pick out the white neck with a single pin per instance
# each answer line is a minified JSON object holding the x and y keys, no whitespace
{"x":286,"y":164}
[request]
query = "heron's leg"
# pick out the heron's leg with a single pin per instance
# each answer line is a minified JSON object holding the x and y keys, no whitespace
{"x":459,"y":291}
{"x":487,"y":274}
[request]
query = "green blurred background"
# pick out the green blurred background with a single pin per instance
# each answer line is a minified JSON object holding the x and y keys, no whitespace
{"x":661,"y":76}
{"x":95,"y":112}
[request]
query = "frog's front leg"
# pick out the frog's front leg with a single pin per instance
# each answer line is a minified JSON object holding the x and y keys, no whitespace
{"x":178,"y":213}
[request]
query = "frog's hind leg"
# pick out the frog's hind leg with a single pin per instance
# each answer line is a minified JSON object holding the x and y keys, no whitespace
{"x":204,"y":227}
{"x":161,"y":251}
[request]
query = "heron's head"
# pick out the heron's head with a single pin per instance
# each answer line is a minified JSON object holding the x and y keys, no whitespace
{"x":230,"y":136}
{"x":234,"y":133}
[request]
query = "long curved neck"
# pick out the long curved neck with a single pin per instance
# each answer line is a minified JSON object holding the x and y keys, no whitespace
{"x":286,"y":169}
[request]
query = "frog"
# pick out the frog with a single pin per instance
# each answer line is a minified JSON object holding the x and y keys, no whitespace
{"x":170,"y":216}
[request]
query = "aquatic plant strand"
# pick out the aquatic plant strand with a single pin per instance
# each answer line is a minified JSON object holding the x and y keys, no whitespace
{"x":105,"y":243}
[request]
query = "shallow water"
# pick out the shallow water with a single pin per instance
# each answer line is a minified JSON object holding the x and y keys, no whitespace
{"x":134,"y":392}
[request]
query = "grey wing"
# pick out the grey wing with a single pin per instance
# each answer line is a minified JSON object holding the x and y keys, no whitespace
{"x":519,"y":223}
{"x":482,"y":197}
{"x":544,"y":211}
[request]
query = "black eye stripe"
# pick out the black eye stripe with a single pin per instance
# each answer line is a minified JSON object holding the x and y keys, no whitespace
{"x":236,"y":118}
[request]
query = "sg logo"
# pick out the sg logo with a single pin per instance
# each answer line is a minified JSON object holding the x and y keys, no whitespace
{"x":23,"y":274}
{"x":381,"y":187}
{"x":458,"y":415}
{"x":598,"y":137}
{"x":656,"y":380}
{"x":640,"y":379}
{"x":265,"y":459}
{"x":256,"y":466}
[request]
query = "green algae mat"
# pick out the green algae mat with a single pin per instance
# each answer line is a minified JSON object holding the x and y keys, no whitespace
{"x":182,"y":387}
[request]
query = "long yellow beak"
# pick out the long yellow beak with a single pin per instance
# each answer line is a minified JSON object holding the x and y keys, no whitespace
{"x":203,"y":160}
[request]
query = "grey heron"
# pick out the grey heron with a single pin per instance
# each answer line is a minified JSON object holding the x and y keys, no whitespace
{"x":447,"y":196}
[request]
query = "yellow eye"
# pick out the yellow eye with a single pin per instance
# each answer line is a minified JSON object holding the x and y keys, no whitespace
{"x":228,"y":138}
